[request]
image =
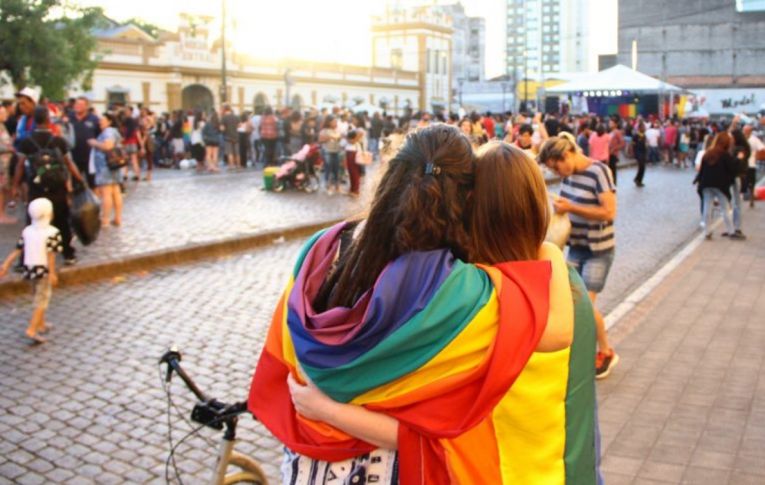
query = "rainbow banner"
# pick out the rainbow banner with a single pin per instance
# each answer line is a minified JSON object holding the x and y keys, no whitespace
{"x":437,"y":344}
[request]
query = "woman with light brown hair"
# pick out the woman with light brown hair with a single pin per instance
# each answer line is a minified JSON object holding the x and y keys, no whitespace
{"x":510,"y":208}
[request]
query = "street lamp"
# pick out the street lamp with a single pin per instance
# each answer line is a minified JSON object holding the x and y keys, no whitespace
{"x":287,"y":84}
{"x":460,"y":82}
{"x":223,"y":88}
{"x":504,"y":88}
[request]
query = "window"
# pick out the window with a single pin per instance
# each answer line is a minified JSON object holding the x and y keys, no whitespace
{"x":396,"y":58}
{"x":118,"y":97}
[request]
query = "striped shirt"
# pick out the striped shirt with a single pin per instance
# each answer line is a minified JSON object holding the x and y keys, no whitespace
{"x":584,"y":188}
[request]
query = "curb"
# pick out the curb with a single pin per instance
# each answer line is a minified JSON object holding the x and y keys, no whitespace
{"x":641,"y":292}
{"x":88,"y":273}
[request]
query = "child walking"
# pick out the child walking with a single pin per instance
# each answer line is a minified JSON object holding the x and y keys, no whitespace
{"x":39,"y":243}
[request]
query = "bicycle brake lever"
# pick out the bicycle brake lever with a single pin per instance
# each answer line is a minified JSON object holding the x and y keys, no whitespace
{"x":170,"y":357}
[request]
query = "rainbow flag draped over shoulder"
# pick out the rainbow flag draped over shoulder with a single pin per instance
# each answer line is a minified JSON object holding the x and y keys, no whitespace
{"x":435,"y":343}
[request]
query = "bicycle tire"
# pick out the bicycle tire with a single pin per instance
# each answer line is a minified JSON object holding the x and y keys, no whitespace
{"x":244,"y":477}
{"x":251,"y":471}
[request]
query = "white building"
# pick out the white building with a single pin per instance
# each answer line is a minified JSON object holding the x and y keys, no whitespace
{"x":468,"y":44}
{"x":419,"y":40}
{"x":182,"y":70}
{"x":546,"y":37}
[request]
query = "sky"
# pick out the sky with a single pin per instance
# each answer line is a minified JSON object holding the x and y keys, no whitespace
{"x":334,"y":30}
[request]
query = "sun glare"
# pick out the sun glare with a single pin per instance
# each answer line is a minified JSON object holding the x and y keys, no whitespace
{"x":330,"y":30}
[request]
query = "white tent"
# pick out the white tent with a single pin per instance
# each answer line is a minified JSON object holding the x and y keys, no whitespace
{"x":612,"y":80}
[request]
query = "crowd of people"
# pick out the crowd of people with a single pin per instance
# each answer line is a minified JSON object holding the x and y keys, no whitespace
{"x":586,"y":155}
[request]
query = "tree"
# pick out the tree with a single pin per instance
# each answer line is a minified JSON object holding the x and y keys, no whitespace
{"x":48,"y":43}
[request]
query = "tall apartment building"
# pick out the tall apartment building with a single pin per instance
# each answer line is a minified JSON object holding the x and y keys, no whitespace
{"x":468,"y":44}
{"x":545,"y":37}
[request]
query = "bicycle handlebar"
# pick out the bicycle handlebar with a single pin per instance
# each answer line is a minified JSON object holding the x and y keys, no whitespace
{"x":209,"y":409}
{"x":172,"y":358}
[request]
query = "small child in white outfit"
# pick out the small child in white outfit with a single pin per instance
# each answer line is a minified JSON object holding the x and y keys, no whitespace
{"x":39,"y":242}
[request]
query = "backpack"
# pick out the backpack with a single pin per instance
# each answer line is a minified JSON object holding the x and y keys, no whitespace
{"x":268,"y":128}
{"x":209,"y":137}
{"x":47,"y":164}
{"x":116,"y":158}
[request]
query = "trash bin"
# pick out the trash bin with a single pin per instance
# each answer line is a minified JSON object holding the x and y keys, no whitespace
{"x":269,"y":174}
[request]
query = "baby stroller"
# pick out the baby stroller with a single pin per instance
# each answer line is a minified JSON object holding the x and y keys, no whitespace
{"x":299,"y":170}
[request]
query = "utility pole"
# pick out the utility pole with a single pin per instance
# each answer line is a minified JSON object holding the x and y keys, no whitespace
{"x":525,"y":59}
{"x":287,"y":83}
{"x":224,"y":87}
{"x":504,"y":88}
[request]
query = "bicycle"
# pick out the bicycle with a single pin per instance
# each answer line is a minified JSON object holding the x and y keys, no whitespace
{"x":211,"y":413}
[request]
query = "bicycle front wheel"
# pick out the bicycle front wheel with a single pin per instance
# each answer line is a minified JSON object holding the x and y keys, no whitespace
{"x":250,"y":471}
{"x":244,"y":477}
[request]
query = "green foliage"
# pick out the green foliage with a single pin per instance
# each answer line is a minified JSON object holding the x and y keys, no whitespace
{"x":47,"y":43}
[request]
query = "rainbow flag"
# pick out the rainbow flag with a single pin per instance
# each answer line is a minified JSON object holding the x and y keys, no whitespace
{"x":436,"y":343}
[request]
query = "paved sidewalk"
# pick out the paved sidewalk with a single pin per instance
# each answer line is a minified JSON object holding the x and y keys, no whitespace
{"x":182,"y":208}
{"x":686,"y":404}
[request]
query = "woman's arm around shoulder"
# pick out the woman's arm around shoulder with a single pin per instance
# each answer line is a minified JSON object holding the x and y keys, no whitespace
{"x":559,"y":332}
{"x":375,"y":428}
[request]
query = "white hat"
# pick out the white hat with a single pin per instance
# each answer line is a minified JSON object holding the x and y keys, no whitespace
{"x":41,"y":211}
{"x":29,"y":93}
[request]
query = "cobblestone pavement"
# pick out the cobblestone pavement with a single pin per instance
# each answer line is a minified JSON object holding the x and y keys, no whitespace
{"x":88,"y":406}
{"x":180,"y":208}
{"x":652,"y":223}
{"x":687,"y":402}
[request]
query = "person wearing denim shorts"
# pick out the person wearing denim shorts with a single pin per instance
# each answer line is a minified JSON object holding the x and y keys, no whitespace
{"x":588,"y":196}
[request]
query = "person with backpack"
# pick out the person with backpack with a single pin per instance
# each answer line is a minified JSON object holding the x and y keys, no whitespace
{"x":211,"y":139}
{"x":269,"y":133}
{"x":107,"y":159}
{"x":45,"y":163}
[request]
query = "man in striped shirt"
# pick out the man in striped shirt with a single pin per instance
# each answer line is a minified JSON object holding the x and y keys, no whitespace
{"x":588,"y":196}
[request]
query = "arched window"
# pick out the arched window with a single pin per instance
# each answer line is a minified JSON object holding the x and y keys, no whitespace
{"x":297,"y":102}
{"x":260,"y":103}
{"x":197,"y":97}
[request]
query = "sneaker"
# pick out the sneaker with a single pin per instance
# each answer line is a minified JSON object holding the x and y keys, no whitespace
{"x":604,"y":363}
{"x":70,"y":261}
{"x":738,"y":235}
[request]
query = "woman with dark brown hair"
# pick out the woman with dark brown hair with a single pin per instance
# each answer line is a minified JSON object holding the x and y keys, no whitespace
{"x":356,"y":338}
{"x":716,"y":174}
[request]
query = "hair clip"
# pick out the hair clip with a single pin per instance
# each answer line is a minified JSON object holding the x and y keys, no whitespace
{"x":432,"y":169}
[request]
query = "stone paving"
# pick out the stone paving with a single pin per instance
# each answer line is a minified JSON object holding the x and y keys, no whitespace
{"x":687,"y":402}
{"x":652,"y":223}
{"x":88,"y":407}
{"x":180,"y":208}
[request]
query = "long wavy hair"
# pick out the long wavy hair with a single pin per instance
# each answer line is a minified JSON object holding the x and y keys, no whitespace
{"x":414,"y":209}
